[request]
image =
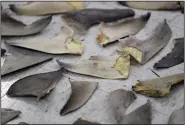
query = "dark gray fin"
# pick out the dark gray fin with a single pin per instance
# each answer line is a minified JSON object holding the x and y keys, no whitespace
{"x":175,"y":57}
{"x":12,"y":27}
{"x":119,"y":101}
{"x":8,"y":115}
{"x":83,"y":121}
{"x":37,"y":85}
{"x":84,"y":19}
{"x":13,"y":8}
{"x":181,"y":3}
{"x":63,"y":64}
{"x":20,"y":59}
{"x":18,"y":62}
{"x":3,"y":51}
{"x":146,"y":17}
{"x":23,"y":123}
{"x":8,"y":20}
{"x":124,"y":3}
{"x":142,"y":115}
{"x":81,"y":93}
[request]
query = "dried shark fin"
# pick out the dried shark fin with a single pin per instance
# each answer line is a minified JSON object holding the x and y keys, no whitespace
{"x":17,"y":62}
{"x":84,"y":121}
{"x":143,"y":50}
{"x":119,"y":101}
{"x":63,"y":43}
{"x":111,"y":32}
{"x":158,"y":87}
{"x":175,"y":57}
{"x":23,"y":123}
{"x":8,"y":115}
{"x":160,"y":5}
{"x":12,"y":27}
{"x":17,"y":59}
{"x":177,"y":116}
{"x":81,"y":93}
{"x":44,"y":8}
{"x":37,"y":85}
{"x":141,"y":115}
{"x":3,"y":51}
{"x":82,"y":20}
{"x":117,"y":68}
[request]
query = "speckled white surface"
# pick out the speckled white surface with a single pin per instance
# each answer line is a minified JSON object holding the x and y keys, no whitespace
{"x":47,"y":110}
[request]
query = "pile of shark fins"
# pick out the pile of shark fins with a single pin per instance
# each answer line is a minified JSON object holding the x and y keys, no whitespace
{"x":115,"y":25}
{"x":141,"y":50}
{"x":119,"y":101}
{"x":39,"y":85}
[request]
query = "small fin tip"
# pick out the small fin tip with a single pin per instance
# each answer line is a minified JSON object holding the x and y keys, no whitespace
{"x":13,"y":8}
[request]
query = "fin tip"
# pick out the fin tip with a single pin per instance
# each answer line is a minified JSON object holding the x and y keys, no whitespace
{"x":13,"y":8}
{"x":123,"y":3}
